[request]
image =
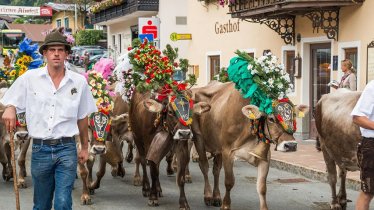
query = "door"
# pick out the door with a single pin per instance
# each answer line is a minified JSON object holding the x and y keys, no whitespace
{"x":319,"y":78}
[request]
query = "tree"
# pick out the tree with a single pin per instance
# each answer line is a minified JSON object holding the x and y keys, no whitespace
{"x":88,"y":37}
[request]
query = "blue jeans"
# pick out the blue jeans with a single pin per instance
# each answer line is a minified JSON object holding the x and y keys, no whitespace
{"x":53,"y":170}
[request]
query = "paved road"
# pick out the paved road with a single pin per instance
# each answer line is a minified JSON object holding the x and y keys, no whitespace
{"x":286,"y":191}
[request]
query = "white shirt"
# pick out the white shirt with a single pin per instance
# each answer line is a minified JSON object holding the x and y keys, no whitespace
{"x":50,"y":112}
{"x":365,"y":107}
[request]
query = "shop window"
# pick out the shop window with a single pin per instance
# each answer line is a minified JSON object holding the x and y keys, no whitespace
{"x":289,"y":65}
{"x":214,"y":65}
{"x":351,"y":54}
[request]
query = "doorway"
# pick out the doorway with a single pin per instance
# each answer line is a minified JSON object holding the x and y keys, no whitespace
{"x":320,"y":76}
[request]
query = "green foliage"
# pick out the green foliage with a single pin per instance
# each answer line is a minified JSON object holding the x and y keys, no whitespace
{"x":88,"y":37}
{"x":183,"y":64}
{"x":171,"y":53}
{"x":192,"y":80}
{"x":19,"y":21}
{"x":222,"y":76}
{"x":136,"y":43}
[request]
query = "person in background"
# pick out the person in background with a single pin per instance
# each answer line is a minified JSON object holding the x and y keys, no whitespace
{"x":57,"y":102}
{"x":348,"y":80}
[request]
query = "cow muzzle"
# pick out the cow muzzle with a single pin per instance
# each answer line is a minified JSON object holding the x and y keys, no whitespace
{"x":183,"y":134}
{"x":287,"y":146}
{"x":21,"y":135}
{"x":98,"y":149}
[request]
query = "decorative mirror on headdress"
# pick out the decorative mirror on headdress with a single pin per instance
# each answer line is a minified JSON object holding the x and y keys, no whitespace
{"x":21,"y":119}
{"x":182,"y":106}
{"x":100,"y":124}
{"x":284,"y":112}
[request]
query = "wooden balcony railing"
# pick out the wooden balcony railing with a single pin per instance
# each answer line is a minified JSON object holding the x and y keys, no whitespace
{"x":124,"y":9}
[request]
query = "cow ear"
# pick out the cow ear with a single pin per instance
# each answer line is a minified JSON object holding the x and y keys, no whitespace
{"x":252,"y":112}
{"x":301,"y":110}
{"x":200,"y":108}
{"x":152,"y":106}
{"x":120,"y":119}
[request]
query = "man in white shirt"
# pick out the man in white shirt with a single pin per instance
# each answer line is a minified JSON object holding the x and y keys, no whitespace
{"x":363,"y":116}
{"x":57,"y":102}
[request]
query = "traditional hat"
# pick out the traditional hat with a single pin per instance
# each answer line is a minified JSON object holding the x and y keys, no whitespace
{"x":56,"y":37}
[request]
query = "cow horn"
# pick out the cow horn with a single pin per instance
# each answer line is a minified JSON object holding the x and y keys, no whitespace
{"x":261,"y":150}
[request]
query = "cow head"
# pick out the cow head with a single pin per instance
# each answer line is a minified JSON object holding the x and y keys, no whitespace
{"x":176,"y":113}
{"x":99,"y":124}
{"x":21,"y":135}
{"x":119,"y":129}
{"x":278,"y":126}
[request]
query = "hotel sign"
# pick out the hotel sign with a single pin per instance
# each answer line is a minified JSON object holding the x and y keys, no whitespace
{"x":29,"y":11}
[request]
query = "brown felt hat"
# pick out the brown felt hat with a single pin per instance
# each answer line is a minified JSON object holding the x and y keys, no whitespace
{"x":56,"y":37}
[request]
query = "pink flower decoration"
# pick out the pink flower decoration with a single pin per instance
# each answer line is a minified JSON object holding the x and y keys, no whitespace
{"x":70,"y":39}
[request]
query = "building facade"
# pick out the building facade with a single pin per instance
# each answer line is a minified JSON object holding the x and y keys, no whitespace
{"x":68,"y":16}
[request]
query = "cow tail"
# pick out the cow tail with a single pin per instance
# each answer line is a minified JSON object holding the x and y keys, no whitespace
{"x":318,"y":120}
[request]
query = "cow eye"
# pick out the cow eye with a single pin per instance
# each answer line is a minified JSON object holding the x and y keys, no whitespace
{"x":271,"y":119}
{"x":170,"y":112}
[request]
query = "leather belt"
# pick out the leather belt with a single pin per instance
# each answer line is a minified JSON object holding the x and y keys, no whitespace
{"x":63,"y":140}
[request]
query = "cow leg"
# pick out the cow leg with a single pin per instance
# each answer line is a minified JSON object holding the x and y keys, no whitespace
{"x":204,"y":167}
{"x":342,"y":195}
{"x":129,"y":154}
{"x":145,"y":182}
{"x":182,"y":153}
{"x":169,"y":159}
{"x":217,"y":165}
{"x":83,"y":172}
{"x":89,"y":165}
{"x":137,"y":179}
{"x":99,"y":174}
{"x":228,"y":164}
{"x":262,"y":173}
{"x":9,"y":170}
{"x":153,"y":197}
{"x":21,"y":163}
{"x":188,"y":177}
{"x":332,"y":178}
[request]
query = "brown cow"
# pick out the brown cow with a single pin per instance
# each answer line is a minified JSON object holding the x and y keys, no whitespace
{"x":21,"y":141}
{"x":225,"y":132}
{"x":109,"y":151}
{"x":338,"y":137}
{"x":156,"y":128}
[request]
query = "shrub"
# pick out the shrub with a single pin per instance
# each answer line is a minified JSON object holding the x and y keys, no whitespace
{"x":88,"y":37}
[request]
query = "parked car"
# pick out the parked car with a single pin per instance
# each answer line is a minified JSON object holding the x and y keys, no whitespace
{"x":87,"y":53}
{"x":78,"y":52}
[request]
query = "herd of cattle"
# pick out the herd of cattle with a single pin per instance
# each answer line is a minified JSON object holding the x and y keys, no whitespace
{"x":218,"y":128}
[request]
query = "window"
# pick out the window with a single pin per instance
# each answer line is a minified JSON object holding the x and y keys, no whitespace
{"x":120,"y":42}
{"x":58,"y":23}
{"x":289,"y":65}
{"x":252,"y":54}
{"x":114,"y":41}
{"x":351,"y":54}
{"x":66,"y":22}
{"x":134,"y":32}
{"x":214,"y":65}
{"x":181,"y":20}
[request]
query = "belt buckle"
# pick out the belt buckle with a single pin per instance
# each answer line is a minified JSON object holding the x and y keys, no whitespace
{"x":54,"y":141}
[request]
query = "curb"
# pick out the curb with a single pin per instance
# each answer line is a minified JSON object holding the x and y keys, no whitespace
{"x":312,"y":173}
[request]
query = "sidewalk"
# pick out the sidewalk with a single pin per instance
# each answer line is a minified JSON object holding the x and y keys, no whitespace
{"x":308,"y":162}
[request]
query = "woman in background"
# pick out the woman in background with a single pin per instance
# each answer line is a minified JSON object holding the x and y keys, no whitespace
{"x":349,"y":78}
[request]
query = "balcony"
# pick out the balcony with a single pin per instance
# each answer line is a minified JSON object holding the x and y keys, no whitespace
{"x":280,"y":15}
{"x":126,"y":8}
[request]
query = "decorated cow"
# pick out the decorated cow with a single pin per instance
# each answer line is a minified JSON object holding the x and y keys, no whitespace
{"x":242,"y":124}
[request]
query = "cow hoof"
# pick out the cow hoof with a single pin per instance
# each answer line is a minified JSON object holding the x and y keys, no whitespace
{"x":217,"y":202}
{"x":21,"y":183}
{"x":336,"y":206}
{"x":137,"y":181}
{"x":208,"y":201}
{"x":169,"y":171}
{"x":91,"y":191}
{"x":153,"y":203}
{"x":146,"y":193}
{"x":121,"y":173}
{"x":188,"y":179}
{"x":160,"y":194}
{"x":86,"y":200}
{"x":129,"y":157}
{"x":184,"y":208}
{"x":225,"y":208}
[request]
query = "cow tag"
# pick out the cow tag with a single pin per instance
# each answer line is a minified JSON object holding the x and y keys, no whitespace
{"x":252,"y":112}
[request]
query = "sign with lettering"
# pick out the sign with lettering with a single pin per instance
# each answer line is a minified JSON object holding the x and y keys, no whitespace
{"x":175,"y":37}
{"x":30,"y":11}
{"x":229,"y":27}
